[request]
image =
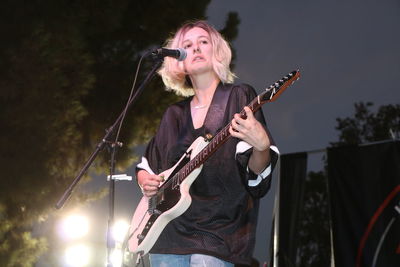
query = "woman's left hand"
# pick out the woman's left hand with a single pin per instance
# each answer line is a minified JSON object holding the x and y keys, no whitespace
{"x":250,"y":130}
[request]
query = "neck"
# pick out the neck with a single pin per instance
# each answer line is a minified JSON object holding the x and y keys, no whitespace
{"x":204,"y":87}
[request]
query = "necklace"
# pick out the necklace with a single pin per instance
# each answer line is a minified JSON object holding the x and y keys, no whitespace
{"x":200,"y":106}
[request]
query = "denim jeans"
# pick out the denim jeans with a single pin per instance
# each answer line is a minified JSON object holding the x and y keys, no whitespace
{"x":191,"y":260}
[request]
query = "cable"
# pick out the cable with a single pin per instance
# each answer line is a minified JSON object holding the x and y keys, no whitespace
{"x":130,"y":95}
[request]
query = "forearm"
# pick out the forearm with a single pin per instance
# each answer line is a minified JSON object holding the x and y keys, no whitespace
{"x":259,"y":160}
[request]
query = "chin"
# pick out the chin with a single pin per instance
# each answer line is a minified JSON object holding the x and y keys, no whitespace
{"x":201,"y":69}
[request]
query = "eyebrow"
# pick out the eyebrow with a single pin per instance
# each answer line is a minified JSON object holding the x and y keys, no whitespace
{"x":201,"y":36}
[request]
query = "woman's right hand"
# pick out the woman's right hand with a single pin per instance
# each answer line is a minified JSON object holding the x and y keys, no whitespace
{"x":149,"y":183}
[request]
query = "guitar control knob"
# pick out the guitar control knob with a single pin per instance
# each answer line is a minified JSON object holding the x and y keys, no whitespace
{"x":140,"y":236}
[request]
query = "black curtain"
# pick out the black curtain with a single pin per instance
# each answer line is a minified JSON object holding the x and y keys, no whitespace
{"x":364,"y":187}
{"x":293,"y":171}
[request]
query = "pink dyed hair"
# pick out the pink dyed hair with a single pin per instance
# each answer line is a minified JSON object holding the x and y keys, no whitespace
{"x":172,"y":71}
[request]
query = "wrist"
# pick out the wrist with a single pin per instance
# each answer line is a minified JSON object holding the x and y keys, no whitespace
{"x":261,"y":148}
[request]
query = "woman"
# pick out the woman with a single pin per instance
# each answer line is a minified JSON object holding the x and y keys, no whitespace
{"x":218,"y":229}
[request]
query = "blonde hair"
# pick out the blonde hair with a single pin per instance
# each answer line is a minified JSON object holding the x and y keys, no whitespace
{"x":172,"y":71}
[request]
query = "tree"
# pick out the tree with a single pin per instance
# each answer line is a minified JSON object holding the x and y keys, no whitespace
{"x":366,"y":126}
{"x":66,"y":72}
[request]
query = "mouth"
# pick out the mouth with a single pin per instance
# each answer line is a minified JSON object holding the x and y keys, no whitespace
{"x":198,"y":58}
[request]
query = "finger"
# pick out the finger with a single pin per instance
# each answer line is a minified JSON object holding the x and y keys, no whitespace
{"x":232,"y":131}
{"x":234,"y":125}
{"x":157,"y":178}
{"x":154,"y":180}
{"x":149,"y":193}
{"x":149,"y":190}
{"x":235,"y":133}
{"x":152,"y":183}
{"x":249,"y":113}
{"x":239,"y":120}
{"x":161,"y":177}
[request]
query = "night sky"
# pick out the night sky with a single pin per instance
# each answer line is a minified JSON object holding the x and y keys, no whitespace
{"x":347,"y":52}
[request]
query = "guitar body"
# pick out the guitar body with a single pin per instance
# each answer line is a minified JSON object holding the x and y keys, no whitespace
{"x":149,"y":220}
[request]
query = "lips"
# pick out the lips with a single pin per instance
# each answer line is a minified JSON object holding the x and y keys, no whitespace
{"x":198,"y":58}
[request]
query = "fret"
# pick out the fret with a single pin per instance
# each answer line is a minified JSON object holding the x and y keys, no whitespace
{"x":174,"y":182}
{"x":192,"y":166}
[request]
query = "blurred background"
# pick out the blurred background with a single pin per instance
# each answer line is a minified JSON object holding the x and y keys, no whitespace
{"x":67,"y":68}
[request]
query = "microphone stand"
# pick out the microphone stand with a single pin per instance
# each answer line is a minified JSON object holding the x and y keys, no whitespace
{"x":100,"y":146}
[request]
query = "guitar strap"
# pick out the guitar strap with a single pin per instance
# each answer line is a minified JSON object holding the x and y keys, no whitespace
{"x":215,"y":115}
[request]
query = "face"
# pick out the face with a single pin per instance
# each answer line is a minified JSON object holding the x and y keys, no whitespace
{"x":197,"y":43}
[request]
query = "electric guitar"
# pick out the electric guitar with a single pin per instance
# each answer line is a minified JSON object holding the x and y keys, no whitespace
{"x":173,"y":198}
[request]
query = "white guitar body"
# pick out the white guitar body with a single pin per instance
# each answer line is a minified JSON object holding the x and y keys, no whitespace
{"x":141,"y":221}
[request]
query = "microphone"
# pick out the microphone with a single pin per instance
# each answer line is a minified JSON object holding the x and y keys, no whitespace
{"x":179,"y":53}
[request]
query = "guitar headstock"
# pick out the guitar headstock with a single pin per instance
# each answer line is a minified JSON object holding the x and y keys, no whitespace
{"x":273,"y":91}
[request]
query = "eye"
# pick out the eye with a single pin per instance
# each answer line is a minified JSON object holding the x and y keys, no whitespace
{"x":186,"y":46}
{"x":204,"y":41}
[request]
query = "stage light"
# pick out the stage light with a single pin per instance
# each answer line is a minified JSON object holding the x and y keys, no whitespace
{"x":74,"y":227}
{"x":116,"y":258}
{"x":119,"y":230}
{"x":77,"y":255}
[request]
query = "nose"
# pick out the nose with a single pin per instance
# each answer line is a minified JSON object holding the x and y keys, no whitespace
{"x":196,"y":49}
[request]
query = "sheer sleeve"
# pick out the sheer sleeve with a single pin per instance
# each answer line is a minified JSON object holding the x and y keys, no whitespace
{"x":157,"y":155}
{"x":257,"y":185}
